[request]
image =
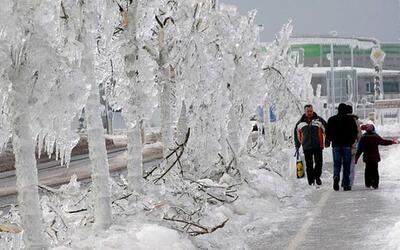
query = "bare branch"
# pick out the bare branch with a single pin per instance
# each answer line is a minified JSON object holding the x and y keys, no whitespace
{"x":76,"y":211}
{"x":196,"y":233}
{"x":159,"y":22}
{"x":64,"y":16}
{"x":122,"y":198}
{"x":203,"y":229}
{"x":151,"y":171}
{"x":172,"y":165}
{"x":274,"y":69}
{"x":166,"y":20}
{"x":151,"y":52}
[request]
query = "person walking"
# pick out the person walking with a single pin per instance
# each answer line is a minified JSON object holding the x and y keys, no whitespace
{"x":354,"y":146}
{"x":342,"y":132}
{"x":309,"y":133}
{"x":368,"y":145}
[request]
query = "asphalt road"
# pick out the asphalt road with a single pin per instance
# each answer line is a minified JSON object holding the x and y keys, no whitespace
{"x":53,"y":174}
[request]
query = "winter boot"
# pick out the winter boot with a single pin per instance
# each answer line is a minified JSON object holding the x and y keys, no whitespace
{"x":346,"y":188}
{"x":336,"y":183}
{"x":374,"y":184}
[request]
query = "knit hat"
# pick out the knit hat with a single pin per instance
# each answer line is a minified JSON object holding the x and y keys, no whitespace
{"x":368,"y":127}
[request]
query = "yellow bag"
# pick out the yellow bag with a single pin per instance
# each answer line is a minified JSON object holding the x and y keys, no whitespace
{"x":299,"y":169}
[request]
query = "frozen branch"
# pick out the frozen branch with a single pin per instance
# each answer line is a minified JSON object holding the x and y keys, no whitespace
{"x":152,"y":52}
{"x":181,"y":149}
{"x":77,"y":211}
{"x":200,"y":229}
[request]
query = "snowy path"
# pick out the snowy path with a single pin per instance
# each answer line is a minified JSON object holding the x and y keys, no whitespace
{"x":359,"y":219}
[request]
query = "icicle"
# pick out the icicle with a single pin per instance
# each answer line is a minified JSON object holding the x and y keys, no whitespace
{"x":40,"y":144}
{"x":182,"y":126}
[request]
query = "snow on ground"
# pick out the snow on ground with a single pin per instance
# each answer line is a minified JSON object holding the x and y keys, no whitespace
{"x":394,"y":238}
{"x":263,"y":202}
{"x":270,"y":193}
{"x":269,"y":188}
{"x":131,"y":236}
{"x":389,"y":169}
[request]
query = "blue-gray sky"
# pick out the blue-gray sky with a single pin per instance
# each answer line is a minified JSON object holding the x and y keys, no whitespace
{"x":365,"y":18}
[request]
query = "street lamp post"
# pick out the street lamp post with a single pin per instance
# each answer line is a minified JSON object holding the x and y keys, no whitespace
{"x":332,"y":64}
{"x":377,"y":56}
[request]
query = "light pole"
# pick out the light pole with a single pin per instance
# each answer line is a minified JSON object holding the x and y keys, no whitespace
{"x":332,"y":64}
{"x":377,"y":56}
{"x":351,"y":92}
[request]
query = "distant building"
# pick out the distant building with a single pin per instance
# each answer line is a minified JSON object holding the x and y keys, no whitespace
{"x":354,"y":71}
{"x":349,"y":53}
{"x":317,"y":55}
{"x":364,"y":82}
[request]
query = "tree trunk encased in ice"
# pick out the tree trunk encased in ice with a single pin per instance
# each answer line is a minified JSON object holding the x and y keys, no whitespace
{"x":233,"y":135}
{"x":27,"y":175}
{"x":131,"y":111}
{"x":25,"y":164}
{"x":99,"y":161}
{"x":233,"y":121}
{"x":166,"y":84}
{"x":95,"y":131}
{"x":135,"y":159}
{"x":165,"y":117}
{"x":23,"y":138}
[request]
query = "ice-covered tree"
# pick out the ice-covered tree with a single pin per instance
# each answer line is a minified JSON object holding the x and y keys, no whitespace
{"x":288,"y":87}
{"x":222,"y":83}
{"x":167,"y":46}
{"x":201,"y":84}
{"x":97,"y":31}
{"x":247,"y":86}
{"x":40,"y":97}
{"x":135,"y":90}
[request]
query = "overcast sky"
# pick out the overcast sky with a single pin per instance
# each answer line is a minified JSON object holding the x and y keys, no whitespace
{"x":365,"y":18}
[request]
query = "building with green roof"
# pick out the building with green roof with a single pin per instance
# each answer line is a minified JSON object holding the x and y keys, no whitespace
{"x":316,"y":55}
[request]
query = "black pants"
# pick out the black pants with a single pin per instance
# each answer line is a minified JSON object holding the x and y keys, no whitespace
{"x":371,"y":175}
{"x":313,"y":171}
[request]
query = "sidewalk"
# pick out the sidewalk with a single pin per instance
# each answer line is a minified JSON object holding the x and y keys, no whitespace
{"x":357,"y":219}
{"x":61,"y":174}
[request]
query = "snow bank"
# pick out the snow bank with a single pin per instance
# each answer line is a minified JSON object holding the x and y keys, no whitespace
{"x":157,"y":237}
{"x":389,"y":130}
{"x":131,"y":236}
{"x":394,"y":238}
{"x":389,"y":166}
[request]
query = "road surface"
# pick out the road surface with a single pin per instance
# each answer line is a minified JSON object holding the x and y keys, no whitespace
{"x":357,"y":219}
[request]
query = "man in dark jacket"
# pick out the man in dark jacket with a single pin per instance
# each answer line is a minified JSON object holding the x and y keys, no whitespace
{"x":342,"y":132}
{"x":309,"y":132}
{"x":368,"y":145}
